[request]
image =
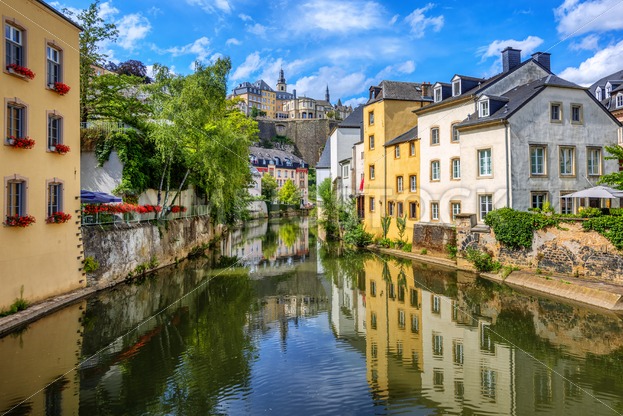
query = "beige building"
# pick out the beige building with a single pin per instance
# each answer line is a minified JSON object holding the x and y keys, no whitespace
{"x":40,"y":156}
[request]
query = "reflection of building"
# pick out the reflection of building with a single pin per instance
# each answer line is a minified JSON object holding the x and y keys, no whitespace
{"x":41,"y":52}
{"x":348,"y":307}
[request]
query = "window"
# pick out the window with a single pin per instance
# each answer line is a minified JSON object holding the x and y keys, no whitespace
{"x":455,"y":209}
{"x":458,"y":352}
{"x":619,"y":102}
{"x":483,"y":108}
{"x":434,"y":170}
{"x":14,"y":45}
{"x":16,"y":120}
{"x":371,"y":118}
{"x":413,"y":298}
{"x":434,"y":211}
{"x":371,"y":204}
{"x":413,"y":183}
{"x":397,"y":151}
{"x":555,"y":112}
{"x":538,"y":199}
{"x":566,"y":204}
{"x":55,"y":198}
{"x":372,"y":288}
{"x":456,"y":169}
{"x":415,"y":324}
{"x":455,"y":134}
{"x":598,"y":93}
{"x":412,"y":210}
{"x":434,"y":136}
{"x":401,"y":319}
{"x":456,"y":87}
{"x":390,"y":208}
{"x":373,"y":325}
{"x":593,"y":157}
{"x":412,"y":149}
{"x":399,"y":209}
{"x":437,"y":94}
{"x":437,"y":344}
{"x":54,"y":65}
{"x":399,"y":184}
{"x":577,"y":116}
{"x":538,"y":160}
{"x":567,"y":161}
{"x":345,"y":171}
{"x":485,"y":203}
{"x":371,"y":142}
{"x":16,"y":198}
{"x":435,"y":304}
{"x":484,"y":162}
{"x":54,"y":130}
{"x":371,"y":172}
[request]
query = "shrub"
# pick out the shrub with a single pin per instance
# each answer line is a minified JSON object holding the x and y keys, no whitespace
{"x":423,"y":251}
{"x":358,"y":236}
{"x":590,"y":212}
{"x":384,"y":242}
{"x":608,"y":226}
{"x":407,"y":247}
{"x":90,"y":264}
{"x":386,"y":222}
{"x":481,"y":260}
{"x":452,"y":250}
{"x":515,"y":229}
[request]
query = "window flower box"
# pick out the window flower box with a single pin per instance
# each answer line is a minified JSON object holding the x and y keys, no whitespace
{"x":20,"y":71}
{"x":60,"y":148}
{"x":178,"y":208}
{"x":20,"y":142}
{"x":58,"y":218}
{"x":19,"y":220}
{"x":60,"y":88}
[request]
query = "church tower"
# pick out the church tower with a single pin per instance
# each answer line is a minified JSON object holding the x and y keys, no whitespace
{"x":327,"y":98}
{"x":281,"y":83}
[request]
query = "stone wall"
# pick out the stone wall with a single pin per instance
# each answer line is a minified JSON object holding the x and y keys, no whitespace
{"x":120,"y":248}
{"x":433,"y":236}
{"x":566,"y":250}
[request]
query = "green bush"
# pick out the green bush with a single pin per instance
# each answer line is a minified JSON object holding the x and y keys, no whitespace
{"x":423,"y":251}
{"x":610,"y":227}
{"x":358,"y":236}
{"x":482,"y":261}
{"x":407,"y":247}
{"x":90,"y":264}
{"x":590,"y":212}
{"x":452,"y":250}
{"x":384,"y":242}
{"x":515,"y":229}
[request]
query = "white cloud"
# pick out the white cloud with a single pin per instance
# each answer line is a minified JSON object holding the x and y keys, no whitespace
{"x":250,"y":65}
{"x":576,"y":18}
{"x":606,"y":61}
{"x":354,"y":102}
{"x":200,"y":48}
{"x":233,"y":41}
{"x":245,"y":17}
{"x":212,"y":6}
{"x":419,"y":22}
{"x":389,"y":71}
{"x":107,"y":10}
{"x":343,"y":17}
{"x":132,"y":28}
{"x":341,"y":82}
{"x":589,"y":43}
{"x":257,"y":29}
{"x":494,"y":49}
{"x":394,"y":19}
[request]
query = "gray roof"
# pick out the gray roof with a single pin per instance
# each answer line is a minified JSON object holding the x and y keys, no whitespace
{"x":354,"y":120}
{"x":398,"y":90}
{"x":602,"y":82}
{"x":261,"y":152}
{"x":262,"y":85}
{"x":518,"y":97}
{"x":325,"y":157}
{"x":404,"y":137}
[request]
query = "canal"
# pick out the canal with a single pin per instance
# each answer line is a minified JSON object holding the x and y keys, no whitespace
{"x":282,"y":324}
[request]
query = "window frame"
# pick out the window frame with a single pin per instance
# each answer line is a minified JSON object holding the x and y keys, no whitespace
{"x":565,"y":201}
{"x":371,"y":141}
{"x":483,"y":108}
{"x":619,"y":100}
{"x":435,"y":177}
{"x":537,"y":194}
{"x":480,"y":204}
{"x":590,"y":150}
{"x":453,"y":204}
{"x":371,"y":204}
{"x":412,"y":210}
{"x":454,"y":133}
{"x":580,"y":108}
{"x":21,"y":46}
{"x":412,"y":149}
{"x":434,"y":136}
{"x":560,"y":161}
{"x":400,"y":209}
{"x":52,"y":115}
{"x":480,"y":166}
{"x":434,"y":210}
{"x":397,"y":151}
{"x":371,"y":118}
{"x":534,"y":147}
{"x":456,"y":87}
{"x":400,"y":184}
{"x":552,"y":114}
{"x":412,"y":183}
{"x":437,"y":94}
{"x":371,"y":172}
{"x":60,"y":191}
{"x":453,"y":172}
{"x":17,"y":105}
{"x":48,"y":63}
{"x":22,"y":204}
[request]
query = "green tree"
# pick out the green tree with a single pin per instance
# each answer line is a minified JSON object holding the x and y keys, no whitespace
{"x":269,"y":188}
{"x":288,"y":194}
{"x":615,"y":179}
{"x":330,"y":210}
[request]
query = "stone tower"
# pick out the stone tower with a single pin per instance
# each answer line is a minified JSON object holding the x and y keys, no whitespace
{"x":327,"y":98}
{"x":281,"y":82}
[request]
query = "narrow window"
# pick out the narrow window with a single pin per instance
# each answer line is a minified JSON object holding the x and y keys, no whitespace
{"x":371,"y":204}
{"x":434,"y":136}
{"x":413,"y":183}
{"x":486,"y":205}
{"x":412,"y":210}
{"x":371,"y":142}
{"x":399,"y":184}
{"x":14,"y":45}
{"x":456,"y":169}
{"x":15,"y":121}
{"x":371,"y":118}
{"x":566,"y":204}
{"x":567,"y":161}
{"x":456,"y":88}
{"x":434,"y":211}
{"x":437,"y":94}
{"x":55,"y":198}
{"x":538,"y":199}
{"x":399,"y":209}
{"x":484,"y":162}
{"x":434,"y":170}
{"x":455,"y":208}
{"x":555,"y":112}
{"x":412,"y":149}
{"x":16,"y":198}
{"x":594,"y":162}
{"x":371,"y":172}
{"x":538,"y":160}
{"x":54,"y":130}
{"x":483,"y":108}
{"x":54,"y":65}
{"x":455,"y":134}
{"x":576,"y":114}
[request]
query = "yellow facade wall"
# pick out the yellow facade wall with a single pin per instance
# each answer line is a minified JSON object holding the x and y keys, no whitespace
{"x":391,"y":119}
{"x":41,"y":260}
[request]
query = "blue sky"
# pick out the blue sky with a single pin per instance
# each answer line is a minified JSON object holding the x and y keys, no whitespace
{"x":353,"y":44}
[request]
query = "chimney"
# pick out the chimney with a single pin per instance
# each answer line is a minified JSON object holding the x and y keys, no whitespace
{"x":510,"y":58}
{"x":543,"y":58}
{"x":427,"y":89}
{"x":294,"y":92}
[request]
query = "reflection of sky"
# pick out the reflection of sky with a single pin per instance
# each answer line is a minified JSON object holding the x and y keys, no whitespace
{"x":316,"y":374}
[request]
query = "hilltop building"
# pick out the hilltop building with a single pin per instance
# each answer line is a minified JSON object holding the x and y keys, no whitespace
{"x":282,"y":166}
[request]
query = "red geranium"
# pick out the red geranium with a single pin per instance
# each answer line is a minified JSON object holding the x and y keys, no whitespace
{"x":177,"y":208}
{"x":19,"y":220}
{"x":61,"y":88}
{"x":61,"y":148}
{"x":58,"y":218}
{"x":21,"y":142}
{"x":120,"y":208}
{"x":21,"y":70}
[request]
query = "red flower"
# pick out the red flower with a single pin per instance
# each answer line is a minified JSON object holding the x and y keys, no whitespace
{"x":21,"y":70}
{"x":19,"y":220}
{"x":58,"y":218}
{"x":61,"y":148}
{"x":177,"y":208}
{"x":21,"y":142}
{"x":61,"y":88}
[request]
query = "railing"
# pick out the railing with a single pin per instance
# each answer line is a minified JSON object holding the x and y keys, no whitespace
{"x":101,"y":218}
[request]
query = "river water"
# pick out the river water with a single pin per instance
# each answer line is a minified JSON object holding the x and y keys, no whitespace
{"x":284,"y":325}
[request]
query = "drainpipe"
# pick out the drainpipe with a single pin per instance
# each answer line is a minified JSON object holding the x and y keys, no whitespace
{"x":508,"y":165}
{"x":385,"y":177}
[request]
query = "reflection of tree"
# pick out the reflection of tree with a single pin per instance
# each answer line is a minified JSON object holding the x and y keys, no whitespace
{"x":338,"y":261}
{"x":270,"y":241}
{"x":289,"y":232}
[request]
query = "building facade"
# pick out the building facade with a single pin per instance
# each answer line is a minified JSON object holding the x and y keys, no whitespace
{"x":40,"y":156}
{"x":283,"y":166}
{"x":609,"y":91}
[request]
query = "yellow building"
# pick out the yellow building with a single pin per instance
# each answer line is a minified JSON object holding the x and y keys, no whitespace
{"x":261,"y":96}
{"x":40,"y":156}
{"x":391,"y":152}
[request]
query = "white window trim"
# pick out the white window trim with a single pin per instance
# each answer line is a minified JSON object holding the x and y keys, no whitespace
{"x":483,"y":108}
{"x":456,"y":87}
{"x":437,"y":94}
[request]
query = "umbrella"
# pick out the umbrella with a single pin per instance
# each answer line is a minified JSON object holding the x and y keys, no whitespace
{"x":98,"y":197}
{"x":596,"y":192}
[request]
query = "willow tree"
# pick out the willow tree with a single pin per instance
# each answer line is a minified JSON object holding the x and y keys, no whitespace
{"x":198,"y":127}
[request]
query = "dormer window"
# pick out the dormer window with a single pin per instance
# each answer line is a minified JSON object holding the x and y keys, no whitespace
{"x":456,"y":87}
{"x":598,"y":94}
{"x":608,"y":90}
{"x":619,"y":103}
{"x":437,"y":94}
{"x":483,"y":108}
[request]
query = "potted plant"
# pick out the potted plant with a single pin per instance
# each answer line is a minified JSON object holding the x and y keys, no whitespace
{"x":58,"y":218}
{"x":60,"y":88}
{"x":19,"y":220}
{"x":60,"y":148}
{"x":21,"y":71}
{"x":20,"y":142}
